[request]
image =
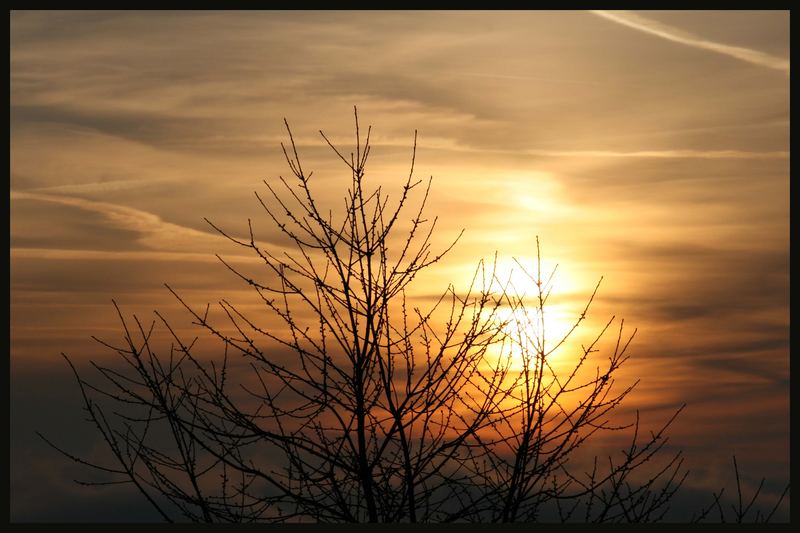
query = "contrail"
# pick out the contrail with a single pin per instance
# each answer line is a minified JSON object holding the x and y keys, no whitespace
{"x":653,"y":27}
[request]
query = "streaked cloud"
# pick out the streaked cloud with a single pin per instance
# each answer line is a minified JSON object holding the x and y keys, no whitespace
{"x":116,"y":255}
{"x":653,"y":27}
{"x":661,"y":154}
{"x":154,"y":232}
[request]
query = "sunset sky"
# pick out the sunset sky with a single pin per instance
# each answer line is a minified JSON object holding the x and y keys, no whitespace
{"x":650,"y":148}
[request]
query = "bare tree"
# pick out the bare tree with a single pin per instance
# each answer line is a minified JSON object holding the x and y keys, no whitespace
{"x":355,"y":405}
{"x":743,"y":510}
{"x":549,"y":413}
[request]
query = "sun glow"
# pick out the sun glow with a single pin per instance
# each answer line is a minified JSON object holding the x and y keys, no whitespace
{"x":532,"y":332}
{"x":534,"y":320}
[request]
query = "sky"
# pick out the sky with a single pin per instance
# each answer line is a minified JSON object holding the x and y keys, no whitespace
{"x":650,"y":148}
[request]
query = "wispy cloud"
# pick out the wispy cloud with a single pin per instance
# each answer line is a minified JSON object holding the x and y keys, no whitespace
{"x":117,"y":255}
{"x":94,"y":187}
{"x":677,"y":35}
{"x":441,"y":143}
{"x":546,"y":79}
{"x":155,"y":232}
{"x":681,"y":154}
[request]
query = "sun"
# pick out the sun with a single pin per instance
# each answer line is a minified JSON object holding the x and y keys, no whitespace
{"x":532,"y":331}
{"x":535,"y":320}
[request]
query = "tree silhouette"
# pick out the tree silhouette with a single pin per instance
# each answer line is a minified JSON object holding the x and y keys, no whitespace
{"x":355,"y":405}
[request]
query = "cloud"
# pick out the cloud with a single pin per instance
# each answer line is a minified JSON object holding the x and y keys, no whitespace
{"x":670,"y":33}
{"x":42,"y":487}
{"x":121,"y":255}
{"x":664,"y":154}
{"x":154,"y":231}
{"x":93,"y":187}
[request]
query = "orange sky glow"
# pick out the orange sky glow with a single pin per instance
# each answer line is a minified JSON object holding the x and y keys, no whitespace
{"x":649,"y":148}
